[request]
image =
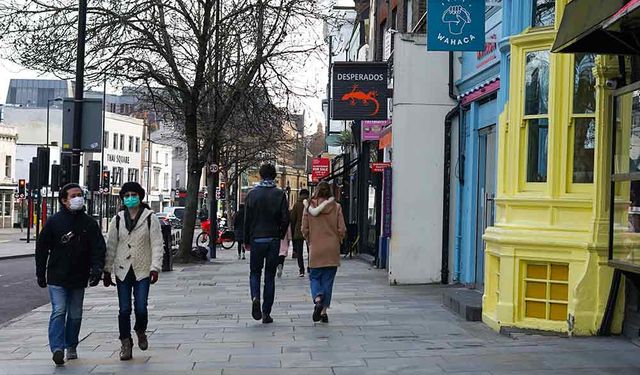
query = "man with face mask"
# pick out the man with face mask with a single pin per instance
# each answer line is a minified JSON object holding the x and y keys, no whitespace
{"x":70,"y":253}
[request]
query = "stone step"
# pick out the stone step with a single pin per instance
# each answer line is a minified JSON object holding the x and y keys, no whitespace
{"x":467,"y":303}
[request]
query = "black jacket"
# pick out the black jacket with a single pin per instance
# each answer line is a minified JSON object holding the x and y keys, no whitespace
{"x":70,"y":264}
{"x":238,"y":224}
{"x":266,"y":214}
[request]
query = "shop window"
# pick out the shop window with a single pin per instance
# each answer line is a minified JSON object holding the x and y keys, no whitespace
{"x":536,"y":115}
{"x":584,"y":120}
{"x":6,"y":211}
{"x":546,"y":293}
{"x":544,"y":13}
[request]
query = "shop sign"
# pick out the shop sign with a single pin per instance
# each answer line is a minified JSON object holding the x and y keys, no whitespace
{"x":380,"y":167}
{"x":120,"y":159}
{"x":455,"y":25}
{"x":360,"y":91}
{"x":371,"y":130}
{"x":320,"y":168}
{"x":387,"y":192}
{"x":490,"y":52}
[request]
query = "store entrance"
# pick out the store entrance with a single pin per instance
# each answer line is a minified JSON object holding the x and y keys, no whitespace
{"x":486,"y":192}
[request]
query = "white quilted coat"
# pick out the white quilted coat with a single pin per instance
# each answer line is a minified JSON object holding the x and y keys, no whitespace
{"x":142,"y":248}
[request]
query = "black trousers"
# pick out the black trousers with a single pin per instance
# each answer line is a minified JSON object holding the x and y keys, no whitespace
{"x":298,"y":248}
{"x":240,"y":247}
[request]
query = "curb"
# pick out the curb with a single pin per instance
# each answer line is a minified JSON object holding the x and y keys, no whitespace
{"x":17,"y":256}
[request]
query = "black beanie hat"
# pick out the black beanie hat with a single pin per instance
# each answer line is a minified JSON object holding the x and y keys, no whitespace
{"x":132,"y":187}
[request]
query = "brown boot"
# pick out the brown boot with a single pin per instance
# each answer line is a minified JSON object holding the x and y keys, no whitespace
{"x":126,"y":352}
{"x":143,"y":343}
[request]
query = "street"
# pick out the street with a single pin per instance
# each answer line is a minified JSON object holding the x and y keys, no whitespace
{"x":200,"y":323}
{"x":19,"y":292}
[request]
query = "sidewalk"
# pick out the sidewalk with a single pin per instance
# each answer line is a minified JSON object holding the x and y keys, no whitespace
{"x":11,"y":245}
{"x":200,"y":323}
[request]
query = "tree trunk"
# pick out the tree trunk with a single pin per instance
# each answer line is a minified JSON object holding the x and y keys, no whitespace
{"x":194,"y":173}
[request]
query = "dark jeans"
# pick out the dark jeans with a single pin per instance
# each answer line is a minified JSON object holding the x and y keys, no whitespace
{"x":240,"y":247}
{"x":140,"y":291}
{"x":264,"y":254}
{"x":66,"y":317}
{"x":281,"y":259}
{"x":322,"y":283}
{"x":298,"y":248}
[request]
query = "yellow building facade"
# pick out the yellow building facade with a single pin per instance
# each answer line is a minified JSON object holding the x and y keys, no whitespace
{"x":546,"y":255}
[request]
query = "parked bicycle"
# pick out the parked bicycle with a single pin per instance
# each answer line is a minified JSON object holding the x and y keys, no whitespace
{"x":226,"y":238}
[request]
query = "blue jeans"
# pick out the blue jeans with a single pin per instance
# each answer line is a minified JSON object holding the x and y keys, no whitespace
{"x":140,"y":291}
{"x":322,"y":283}
{"x":264,"y":253}
{"x":66,"y":317}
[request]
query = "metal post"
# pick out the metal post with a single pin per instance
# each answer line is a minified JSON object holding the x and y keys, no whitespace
{"x":48,"y":106}
{"x":328,"y":124}
{"x":104,"y":120}
{"x":79,"y":92}
{"x":29,"y":206}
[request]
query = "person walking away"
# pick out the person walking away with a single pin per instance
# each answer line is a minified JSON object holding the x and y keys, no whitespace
{"x":70,"y":253}
{"x":134,"y":254}
{"x":265,"y":223}
{"x":296,"y":229}
{"x":284,"y":251}
{"x":238,"y":227}
{"x":324,"y":229}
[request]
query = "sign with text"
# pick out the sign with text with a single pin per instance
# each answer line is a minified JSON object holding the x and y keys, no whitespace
{"x":371,"y":130}
{"x":379,"y":167}
{"x":320,"y":168}
{"x":387,"y":191}
{"x":360,"y":91}
{"x":455,"y":25}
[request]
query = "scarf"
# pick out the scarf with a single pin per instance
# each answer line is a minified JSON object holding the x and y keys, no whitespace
{"x":267,"y":183}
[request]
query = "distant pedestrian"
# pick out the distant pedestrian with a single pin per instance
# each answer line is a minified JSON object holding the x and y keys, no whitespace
{"x":69,"y":254}
{"x":296,"y":229}
{"x":323,"y":227}
{"x":134,"y":252}
{"x":265,"y":224}
{"x":238,"y":227}
{"x":284,"y":251}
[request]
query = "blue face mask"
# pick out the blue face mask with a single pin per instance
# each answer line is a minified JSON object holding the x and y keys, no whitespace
{"x":131,"y":202}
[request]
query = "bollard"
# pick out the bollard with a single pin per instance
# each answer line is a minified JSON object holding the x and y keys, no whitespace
{"x":167,"y":258}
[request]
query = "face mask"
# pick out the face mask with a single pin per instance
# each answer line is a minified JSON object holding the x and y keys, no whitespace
{"x":131,"y":202}
{"x":76,"y":203}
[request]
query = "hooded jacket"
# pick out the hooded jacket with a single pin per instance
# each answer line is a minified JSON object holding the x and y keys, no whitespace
{"x":142,"y":248}
{"x":68,"y":260}
{"x":324,"y":229}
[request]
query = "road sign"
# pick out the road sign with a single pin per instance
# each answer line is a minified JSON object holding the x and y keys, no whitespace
{"x":214,"y":168}
{"x":379,"y":167}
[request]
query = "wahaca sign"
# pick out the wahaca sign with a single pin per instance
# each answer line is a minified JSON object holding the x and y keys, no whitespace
{"x":359,"y":91}
{"x":455,"y":25}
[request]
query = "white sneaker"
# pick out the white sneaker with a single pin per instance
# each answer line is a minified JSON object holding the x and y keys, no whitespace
{"x":279,"y":270}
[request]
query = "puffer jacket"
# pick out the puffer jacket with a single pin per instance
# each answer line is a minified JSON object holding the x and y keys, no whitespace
{"x":142,"y":248}
{"x":324,"y":229}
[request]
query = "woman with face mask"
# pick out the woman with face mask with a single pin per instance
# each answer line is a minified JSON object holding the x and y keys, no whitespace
{"x":134,"y":254}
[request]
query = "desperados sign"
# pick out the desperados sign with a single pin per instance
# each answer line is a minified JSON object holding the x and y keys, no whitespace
{"x":455,"y":25}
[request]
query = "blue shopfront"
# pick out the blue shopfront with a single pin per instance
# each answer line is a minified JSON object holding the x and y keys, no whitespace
{"x":475,"y":165}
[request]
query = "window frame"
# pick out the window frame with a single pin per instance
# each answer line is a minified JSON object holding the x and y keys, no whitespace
{"x":8,"y":160}
{"x":131,"y":143}
{"x":534,"y":7}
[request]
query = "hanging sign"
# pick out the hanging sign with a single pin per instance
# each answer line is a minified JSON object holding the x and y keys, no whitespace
{"x":379,"y":167}
{"x":320,"y":168}
{"x":371,"y":130}
{"x":455,"y":25}
{"x":360,"y":91}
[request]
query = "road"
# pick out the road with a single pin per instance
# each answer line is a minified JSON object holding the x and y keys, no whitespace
{"x":19,"y":292}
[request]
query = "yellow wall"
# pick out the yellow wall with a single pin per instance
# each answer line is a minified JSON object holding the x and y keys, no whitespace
{"x":546,"y":257}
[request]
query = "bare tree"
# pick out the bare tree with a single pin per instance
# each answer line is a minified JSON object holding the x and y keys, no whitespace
{"x":197,"y":58}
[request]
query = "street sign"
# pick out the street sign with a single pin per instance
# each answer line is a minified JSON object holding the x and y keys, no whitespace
{"x":214,"y":168}
{"x":379,"y":167}
{"x":320,"y":168}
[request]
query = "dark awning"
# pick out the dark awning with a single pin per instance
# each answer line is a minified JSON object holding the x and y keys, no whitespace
{"x":581,"y":29}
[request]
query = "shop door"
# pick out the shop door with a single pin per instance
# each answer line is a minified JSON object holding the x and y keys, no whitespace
{"x":485,"y":196}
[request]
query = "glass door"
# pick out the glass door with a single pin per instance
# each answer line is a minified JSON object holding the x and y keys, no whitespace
{"x":486,"y":192}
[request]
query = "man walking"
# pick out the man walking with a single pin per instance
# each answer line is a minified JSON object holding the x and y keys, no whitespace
{"x":296,"y":228}
{"x":266,"y":222}
{"x":70,"y":252}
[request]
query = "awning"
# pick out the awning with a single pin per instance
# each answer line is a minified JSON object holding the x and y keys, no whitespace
{"x":582,"y":30}
{"x":480,"y":91}
{"x":625,"y":18}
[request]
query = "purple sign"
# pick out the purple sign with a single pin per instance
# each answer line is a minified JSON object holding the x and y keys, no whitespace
{"x":386,"y":202}
{"x":371,"y":129}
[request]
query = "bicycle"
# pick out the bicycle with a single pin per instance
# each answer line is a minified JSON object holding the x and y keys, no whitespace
{"x":226,"y":238}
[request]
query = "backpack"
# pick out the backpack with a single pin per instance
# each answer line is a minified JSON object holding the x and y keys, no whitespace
{"x":118,"y":224}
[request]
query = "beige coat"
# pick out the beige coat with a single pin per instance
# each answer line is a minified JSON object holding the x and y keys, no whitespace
{"x":324,"y":229}
{"x":141,"y":249}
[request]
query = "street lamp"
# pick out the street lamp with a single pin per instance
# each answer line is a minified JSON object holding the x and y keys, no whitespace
{"x":49,"y":101}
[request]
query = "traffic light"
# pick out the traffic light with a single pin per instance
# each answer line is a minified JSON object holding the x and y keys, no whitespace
{"x":55,"y":177}
{"x":43,"y":166}
{"x":222,"y":192}
{"x":33,"y":175}
{"x":22,"y":187}
{"x":106,"y":179}
{"x":65,"y":168}
{"x":93,"y":178}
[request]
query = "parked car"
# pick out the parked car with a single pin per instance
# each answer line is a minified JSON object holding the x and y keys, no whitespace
{"x":177,"y":212}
